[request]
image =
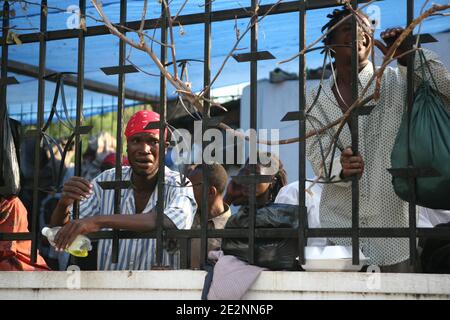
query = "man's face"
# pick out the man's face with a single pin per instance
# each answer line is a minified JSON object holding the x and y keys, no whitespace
{"x":143,"y":154}
{"x":261,"y":188}
{"x":342,"y":35}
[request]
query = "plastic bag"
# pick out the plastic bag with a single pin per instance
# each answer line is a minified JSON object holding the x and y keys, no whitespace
{"x":10,"y":186}
{"x":274,"y":254}
{"x":435,"y":257}
{"x":429,"y":146}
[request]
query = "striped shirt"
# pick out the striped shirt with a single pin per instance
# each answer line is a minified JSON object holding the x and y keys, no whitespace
{"x":138,"y":254}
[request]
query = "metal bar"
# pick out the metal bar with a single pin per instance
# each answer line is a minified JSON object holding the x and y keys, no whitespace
{"x":119,"y":125}
{"x":3,"y":84}
{"x":190,"y":19}
{"x":118,"y":184}
{"x":9,"y":80}
{"x":91,"y":85}
{"x":253,"y":125}
{"x":355,"y":139}
{"x":253,"y":56}
{"x":302,"y":213}
{"x":410,"y":98}
{"x":184,"y":253}
{"x":163,"y":109}
{"x":109,"y":71}
{"x":434,"y":233}
{"x":40,"y":124}
{"x":293,"y":115}
{"x":206,"y":81}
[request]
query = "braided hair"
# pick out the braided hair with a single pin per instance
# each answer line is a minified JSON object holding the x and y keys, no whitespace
{"x":336,"y":16}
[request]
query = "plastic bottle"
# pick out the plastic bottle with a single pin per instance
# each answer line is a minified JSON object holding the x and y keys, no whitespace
{"x":78,"y":248}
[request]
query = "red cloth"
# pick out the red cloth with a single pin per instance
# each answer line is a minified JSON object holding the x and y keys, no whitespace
{"x":16,"y":255}
{"x":140,"y":120}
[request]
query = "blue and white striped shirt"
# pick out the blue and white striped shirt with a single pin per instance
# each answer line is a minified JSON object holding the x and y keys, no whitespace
{"x":138,"y":254}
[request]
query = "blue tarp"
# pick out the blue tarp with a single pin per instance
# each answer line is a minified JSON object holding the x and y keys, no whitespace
{"x":277,"y":34}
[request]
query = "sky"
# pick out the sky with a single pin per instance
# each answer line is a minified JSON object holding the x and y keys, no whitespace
{"x":278,"y":34}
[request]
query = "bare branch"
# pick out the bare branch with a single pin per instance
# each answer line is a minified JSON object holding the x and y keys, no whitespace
{"x":324,"y":35}
{"x":434,"y":8}
{"x":249,"y":27}
{"x":172,"y":41}
{"x":141,"y":27}
{"x":179,"y":10}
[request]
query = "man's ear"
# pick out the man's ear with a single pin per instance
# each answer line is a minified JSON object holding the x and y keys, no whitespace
{"x":367,"y":40}
{"x":212,"y":191}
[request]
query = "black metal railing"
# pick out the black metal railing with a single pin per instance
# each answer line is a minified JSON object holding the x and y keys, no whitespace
{"x":207,"y":18}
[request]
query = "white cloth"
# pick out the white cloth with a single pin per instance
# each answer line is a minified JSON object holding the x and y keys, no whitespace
{"x":379,"y":206}
{"x":232,"y":277}
{"x":429,"y":218}
{"x":289,"y":195}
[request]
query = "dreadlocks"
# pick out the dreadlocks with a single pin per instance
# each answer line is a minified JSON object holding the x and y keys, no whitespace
{"x":336,"y":16}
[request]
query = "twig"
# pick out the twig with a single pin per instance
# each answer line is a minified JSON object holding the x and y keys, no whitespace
{"x":141,"y":27}
{"x":172,"y":43}
{"x":179,"y":10}
{"x":141,"y":70}
{"x":324,"y":35}
{"x":249,"y":27}
{"x":434,"y":8}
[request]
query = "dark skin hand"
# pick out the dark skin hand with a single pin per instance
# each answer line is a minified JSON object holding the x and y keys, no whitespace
{"x":136,"y":222}
{"x":351,"y":165}
{"x":76,"y":188}
{"x":71,"y":230}
{"x":389,"y":36}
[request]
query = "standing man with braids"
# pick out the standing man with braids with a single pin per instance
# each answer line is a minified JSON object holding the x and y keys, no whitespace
{"x":379,"y":205}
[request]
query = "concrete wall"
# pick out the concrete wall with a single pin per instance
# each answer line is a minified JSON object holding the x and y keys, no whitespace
{"x":186,"y":284}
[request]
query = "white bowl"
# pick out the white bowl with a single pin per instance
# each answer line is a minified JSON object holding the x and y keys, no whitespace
{"x":332,"y":258}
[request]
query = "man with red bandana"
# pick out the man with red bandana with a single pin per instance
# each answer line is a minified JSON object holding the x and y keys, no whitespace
{"x":137,"y":206}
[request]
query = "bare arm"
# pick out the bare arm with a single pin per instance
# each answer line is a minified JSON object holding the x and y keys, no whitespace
{"x":76,"y":188}
{"x":135,"y":222}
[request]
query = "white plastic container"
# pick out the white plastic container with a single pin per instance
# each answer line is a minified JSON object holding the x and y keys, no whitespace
{"x":332,"y":258}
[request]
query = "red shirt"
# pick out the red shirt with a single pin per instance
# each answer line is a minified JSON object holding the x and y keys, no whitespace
{"x":15,"y":255}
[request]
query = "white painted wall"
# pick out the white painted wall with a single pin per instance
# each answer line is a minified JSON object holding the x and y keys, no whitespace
{"x":274,"y":101}
{"x":187,"y":284}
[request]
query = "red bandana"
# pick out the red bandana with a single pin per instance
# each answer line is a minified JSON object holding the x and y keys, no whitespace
{"x":140,"y":120}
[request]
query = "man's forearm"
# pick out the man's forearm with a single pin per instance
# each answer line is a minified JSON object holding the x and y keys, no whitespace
{"x":60,"y":215}
{"x":136,"y":222}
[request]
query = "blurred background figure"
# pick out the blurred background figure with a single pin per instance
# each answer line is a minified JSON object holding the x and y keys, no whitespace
{"x":110,"y":162}
{"x":99,"y":146}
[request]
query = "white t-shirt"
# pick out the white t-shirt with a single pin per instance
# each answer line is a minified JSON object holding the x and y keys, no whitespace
{"x":289,"y":195}
{"x":429,"y":218}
